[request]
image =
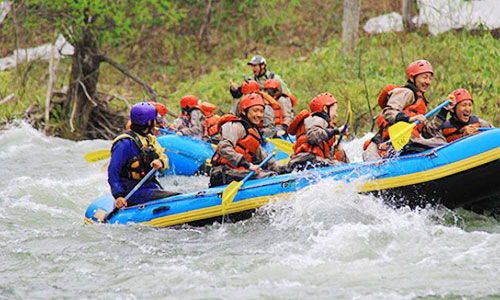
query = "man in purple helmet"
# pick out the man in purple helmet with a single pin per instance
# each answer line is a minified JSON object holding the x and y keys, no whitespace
{"x":133,"y":154}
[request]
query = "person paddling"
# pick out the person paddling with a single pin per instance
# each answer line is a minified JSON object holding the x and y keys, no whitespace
{"x":240,"y":150}
{"x":133,"y":154}
{"x":461,"y":122}
{"x":406,"y":103}
{"x":315,"y":131}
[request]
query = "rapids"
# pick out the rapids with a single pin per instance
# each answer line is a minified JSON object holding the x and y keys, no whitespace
{"x":324,"y":242}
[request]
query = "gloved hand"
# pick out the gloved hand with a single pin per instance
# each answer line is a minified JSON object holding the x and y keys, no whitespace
{"x":331,"y":132}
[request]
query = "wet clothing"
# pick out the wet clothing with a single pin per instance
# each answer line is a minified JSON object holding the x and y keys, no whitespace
{"x":315,"y":145}
{"x":403,"y":103}
{"x":191,"y":124}
{"x":261,"y":79}
{"x":240,"y":145}
{"x":131,"y":156}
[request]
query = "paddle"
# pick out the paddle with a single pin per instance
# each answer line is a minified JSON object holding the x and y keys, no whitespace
{"x":283,"y":145}
{"x":230,"y":191}
{"x":486,"y":128}
{"x":132,"y":192}
{"x":400,"y":132}
{"x":97,"y":155}
{"x":346,"y":124}
{"x":106,"y":153}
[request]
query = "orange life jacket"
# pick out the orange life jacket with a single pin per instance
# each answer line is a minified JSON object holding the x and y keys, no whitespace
{"x":246,"y":146}
{"x":418,"y":107}
{"x":210,"y":125}
{"x":452,"y":130}
{"x":302,"y":144}
{"x":278,"y":113}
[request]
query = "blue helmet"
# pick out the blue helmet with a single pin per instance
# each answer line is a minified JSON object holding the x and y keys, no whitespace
{"x":141,"y":113}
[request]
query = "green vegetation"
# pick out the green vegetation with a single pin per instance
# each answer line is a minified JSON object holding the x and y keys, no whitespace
{"x":459,"y":60}
{"x":301,"y":47}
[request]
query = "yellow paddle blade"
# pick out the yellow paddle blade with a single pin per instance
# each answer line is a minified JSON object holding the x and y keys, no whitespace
{"x":229,"y":193}
{"x":97,"y":155}
{"x":283,"y":145}
{"x":400,"y":134}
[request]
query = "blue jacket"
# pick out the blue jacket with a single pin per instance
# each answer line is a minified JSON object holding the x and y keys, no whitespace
{"x":122,"y":151}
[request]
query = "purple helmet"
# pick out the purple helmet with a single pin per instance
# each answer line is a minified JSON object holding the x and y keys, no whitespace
{"x":142,"y":113}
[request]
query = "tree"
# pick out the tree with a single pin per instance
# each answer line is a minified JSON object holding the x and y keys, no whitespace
{"x":350,"y":24}
{"x":408,"y":12}
{"x":93,"y":27}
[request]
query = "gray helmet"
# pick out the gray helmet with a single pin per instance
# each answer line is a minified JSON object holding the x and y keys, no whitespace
{"x":257,"y":60}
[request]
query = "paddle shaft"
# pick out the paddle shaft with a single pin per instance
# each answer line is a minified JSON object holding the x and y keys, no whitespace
{"x":346,"y":124}
{"x":138,"y":186}
{"x":343,"y":132}
{"x":435,"y":110}
{"x":131,"y":193}
{"x":260,"y":166}
{"x":486,"y":128}
{"x":400,"y":133}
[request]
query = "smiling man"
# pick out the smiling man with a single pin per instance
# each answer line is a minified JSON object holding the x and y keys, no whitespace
{"x":462,"y":122}
{"x":408,"y":104}
{"x":240,"y":150}
{"x":260,"y":74}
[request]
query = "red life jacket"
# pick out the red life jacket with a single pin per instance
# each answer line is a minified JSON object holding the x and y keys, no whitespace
{"x":210,"y":127}
{"x":246,"y":146}
{"x":302,"y":144}
{"x":452,"y":130}
{"x":278,"y":113}
{"x":418,"y":107}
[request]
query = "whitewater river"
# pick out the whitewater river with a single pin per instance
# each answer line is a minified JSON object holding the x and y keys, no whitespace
{"x":325,"y":242}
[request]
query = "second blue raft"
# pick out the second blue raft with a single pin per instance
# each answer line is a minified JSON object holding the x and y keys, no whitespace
{"x":187,"y":155}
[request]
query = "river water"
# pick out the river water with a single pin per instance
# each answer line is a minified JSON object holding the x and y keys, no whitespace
{"x":324,"y":242}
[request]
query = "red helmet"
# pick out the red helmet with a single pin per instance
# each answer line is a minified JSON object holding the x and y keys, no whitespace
{"x":250,"y":86}
{"x":418,"y":67}
{"x":272,"y":84}
{"x":462,"y":95}
{"x":250,"y":100}
{"x":188,"y":101}
{"x":160,"y":108}
{"x":207,"y":108}
{"x":323,"y":99}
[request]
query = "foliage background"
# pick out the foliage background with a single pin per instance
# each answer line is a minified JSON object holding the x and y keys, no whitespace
{"x":300,"y":41}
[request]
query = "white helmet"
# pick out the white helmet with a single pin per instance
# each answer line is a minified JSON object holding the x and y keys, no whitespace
{"x":257,"y":60}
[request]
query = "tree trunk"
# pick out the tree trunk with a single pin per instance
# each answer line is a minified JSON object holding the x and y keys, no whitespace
{"x":83,"y":84}
{"x":204,"y":35}
{"x":409,"y":8}
{"x":350,"y":24}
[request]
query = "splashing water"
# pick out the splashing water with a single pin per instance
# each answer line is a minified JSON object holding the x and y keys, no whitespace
{"x":314,"y":244}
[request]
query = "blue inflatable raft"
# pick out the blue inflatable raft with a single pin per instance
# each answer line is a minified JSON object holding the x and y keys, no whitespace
{"x":187,"y":155}
{"x":458,"y":174}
